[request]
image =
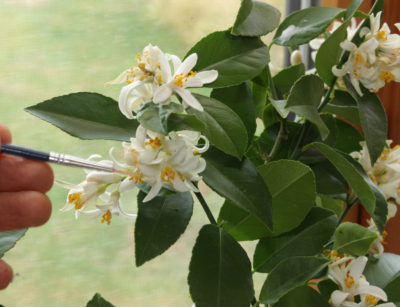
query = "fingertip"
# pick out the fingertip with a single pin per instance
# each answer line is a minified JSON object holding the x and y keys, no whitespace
{"x":6,"y":275}
{"x":5,"y":134}
{"x":39,"y":211}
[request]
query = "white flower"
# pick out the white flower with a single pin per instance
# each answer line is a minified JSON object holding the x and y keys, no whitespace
{"x":132,"y":95}
{"x":171,"y":161}
{"x":386,"y":170}
{"x":316,"y":43}
{"x":184,"y":77}
{"x":347,"y":274}
{"x":296,"y":57}
{"x":376,"y":61}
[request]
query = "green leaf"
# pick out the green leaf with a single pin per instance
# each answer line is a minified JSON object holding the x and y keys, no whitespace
{"x":164,"y":118}
{"x":280,"y":107}
{"x":259,"y":97}
{"x":304,"y":99}
{"x":241,"y":224}
{"x":98,"y":301}
{"x":303,"y":296}
{"x":345,"y":106}
{"x":224,"y":128}
{"x":353,"y":239}
{"x":335,"y":205}
{"x":392,"y":289}
{"x":86,"y":116}
{"x":287,"y":77}
{"x":302,"y":26}
{"x":240,"y":100}
{"x":373,"y":120}
{"x":290,"y":274}
{"x":326,"y":287}
{"x":239,"y":182}
{"x":237,"y":59}
{"x":342,"y":135}
{"x":306,"y":240}
{"x":381,"y":208}
{"x":292,"y":187}
{"x":8,"y":239}
{"x":219,"y":271}
{"x":329,"y":53}
{"x":384,"y":270}
{"x":329,"y":182}
{"x":269,"y":116}
{"x":350,"y":173}
{"x":255,"y":18}
{"x":160,"y":222}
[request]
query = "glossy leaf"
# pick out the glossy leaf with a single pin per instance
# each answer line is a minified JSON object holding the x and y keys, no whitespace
{"x":219,"y":271}
{"x":98,"y":301}
{"x":239,"y":182}
{"x":353,"y":239}
{"x":373,"y":120}
{"x":326,"y":287}
{"x":306,"y":240}
{"x":350,"y":174}
{"x":8,"y":239}
{"x":335,"y":205}
{"x":392,"y":289}
{"x":240,"y":100}
{"x":342,"y":135}
{"x":287,"y":77}
{"x":304,"y":99}
{"x":303,"y":296}
{"x":345,"y":106}
{"x":255,"y":18}
{"x":302,"y":26}
{"x":290,"y":274}
{"x":86,"y":116}
{"x":382,"y":271}
{"x":292,"y":187}
{"x":280,"y":107}
{"x":224,"y":128}
{"x":165,"y":118}
{"x":329,"y":53}
{"x":381,"y":207}
{"x":241,"y":224}
{"x":160,"y":222}
{"x":329,"y":181}
{"x":236,"y":58}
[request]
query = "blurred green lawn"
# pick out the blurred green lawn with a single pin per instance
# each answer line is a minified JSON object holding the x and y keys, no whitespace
{"x":54,"y":47}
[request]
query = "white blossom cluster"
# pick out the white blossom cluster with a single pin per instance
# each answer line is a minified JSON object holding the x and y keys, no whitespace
{"x":354,"y":289}
{"x":170,"y":161}
{"x":376,"y":61}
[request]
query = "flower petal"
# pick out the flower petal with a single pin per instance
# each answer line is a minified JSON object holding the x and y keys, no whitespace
{"x":207,"y":76}
{"x":162,"y":93}
{"x":189,"y":99}
{"x":187,"y":65}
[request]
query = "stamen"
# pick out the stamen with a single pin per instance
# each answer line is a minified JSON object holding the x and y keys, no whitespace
{"x":76,"y":199}
{"x":181,"y":177}
{"x":387,"y":76}
{"x":384,"y":236}
{"x":107,"y":217}
{"x":154,"y":143}
{"x":382,"y":35}
{"x":371,"y":300}
{"x":168,"y":175}
{"x":349,"y":280}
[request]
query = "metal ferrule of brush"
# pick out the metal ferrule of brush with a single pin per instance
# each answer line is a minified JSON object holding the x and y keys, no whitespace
{"x":75,"y":161}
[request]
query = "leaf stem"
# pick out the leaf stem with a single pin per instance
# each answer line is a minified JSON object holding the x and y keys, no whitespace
{"x":206,"y":209}
{"x":346,"y":210}
{"x":282,"y":136}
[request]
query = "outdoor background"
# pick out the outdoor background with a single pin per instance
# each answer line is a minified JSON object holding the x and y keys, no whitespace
{"x":54,"y":47}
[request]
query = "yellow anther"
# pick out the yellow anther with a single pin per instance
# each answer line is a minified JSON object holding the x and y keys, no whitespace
{"x":382,"y":35}
{"x":349,"y":281}
{"x":142,"y":65}
{"x":387,"y":76}
{"x":330,"y":302}
{"x":159,"y":65}
{"x":385,"y":154}
{"x":107,"y":217}
{"x":371,"y":300}
{"x":160,"y":79}
{"x":179,"y":80}
{"x":154,"y":143}
{"x":384,"y":236}
{"x":168,"y":175}
{"x":181,"y":176}
{"x":76,"y":199}
{"x":138,"y":56}
{"x":196,"y":152}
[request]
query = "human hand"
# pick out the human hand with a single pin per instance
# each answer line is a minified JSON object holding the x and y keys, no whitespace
{"x":23,"y":203}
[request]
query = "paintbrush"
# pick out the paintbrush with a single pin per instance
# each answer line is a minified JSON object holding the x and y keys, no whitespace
{"x":55,"y":157}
